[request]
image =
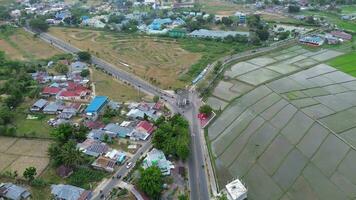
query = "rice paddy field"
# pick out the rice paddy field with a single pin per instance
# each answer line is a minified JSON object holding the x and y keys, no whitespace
{"x":345,"y":63}
{"x":292,"y":136}
{"x":158,"y":60}
{"x":17,"y":154}
{"x":21,"y":45}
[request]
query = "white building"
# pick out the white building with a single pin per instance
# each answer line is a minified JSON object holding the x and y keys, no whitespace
{"x":236,"y":190}
{"x":157,"y":158}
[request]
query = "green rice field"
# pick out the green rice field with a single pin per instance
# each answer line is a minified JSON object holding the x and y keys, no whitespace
{"x":345,"y":63}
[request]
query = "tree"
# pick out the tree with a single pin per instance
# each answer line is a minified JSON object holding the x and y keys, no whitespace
{"x":71,"y":156}
{"x":63,"y":133}
{"x":151,"y":182}
{"x":222,"y":197}
{"x":116,"y":19}
{"x":263,"y":34}
{"x":61,"y":68}
{"x":293,"y":8}
{"x":172,"y":137}
{"x":84,"y":56}
{"x":85,"y":73}
{"x":183,"y":197}
{"x":30,"y":173}
{"x":39,"y":24}
{"x":227,"y":21}
{"x":206,"y":109}
{"x":155,"y":98}
{"x":283,"y":35}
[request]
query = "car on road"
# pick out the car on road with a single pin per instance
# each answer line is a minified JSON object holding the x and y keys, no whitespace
{"x":118,"y":176}
{"x":128,"y":165}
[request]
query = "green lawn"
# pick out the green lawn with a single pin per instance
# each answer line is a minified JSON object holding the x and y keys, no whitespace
{"x":31,"y":127}
{"x":345,"y":63}
{"x":349,"y":9}
{"x":335,"y":19}
{"x":211,"y":51}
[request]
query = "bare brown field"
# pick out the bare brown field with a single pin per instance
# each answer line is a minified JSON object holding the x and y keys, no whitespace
{"x":158,"y":60}
{"x":16,"y":154}
{"x":23,"y":162}
{"x":10,"y":51}
{"x":6,"y":142}
{"x":30,"y":147}
{"x":6,"y":160}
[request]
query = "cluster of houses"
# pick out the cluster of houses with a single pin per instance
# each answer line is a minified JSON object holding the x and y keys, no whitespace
{"x":334,"y":37}
{"x":59,"y":192}
{"x":62,"y":95}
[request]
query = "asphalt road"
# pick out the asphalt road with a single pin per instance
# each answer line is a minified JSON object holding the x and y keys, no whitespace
{"x":197,"y":176}
{"x":122,"y":172}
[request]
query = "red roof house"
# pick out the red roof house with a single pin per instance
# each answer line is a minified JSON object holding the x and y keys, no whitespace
{"x":51,"y":91}
{"x":145,"y":126}
{"x":341,"y":34}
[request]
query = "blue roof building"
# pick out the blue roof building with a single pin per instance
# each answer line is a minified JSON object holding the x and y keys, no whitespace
{"x":96,"y":105}
{"x":157,"y":23}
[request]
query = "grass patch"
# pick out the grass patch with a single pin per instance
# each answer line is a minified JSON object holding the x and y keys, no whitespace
{"x":114,"y":89}
{"x":211,"y":51}
{"x":86,"y":178}
{"x":345,"y":63}
{"x":37,"y":128}
{"x":335,"y":19}
{"x":158,"y":60}
{"x":21,"y":45}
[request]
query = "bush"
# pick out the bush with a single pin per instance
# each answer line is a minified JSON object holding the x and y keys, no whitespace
{"x":83,"y":177}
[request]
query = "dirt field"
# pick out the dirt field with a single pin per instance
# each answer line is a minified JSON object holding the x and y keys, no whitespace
{"x":23,"y":46}
{"x":17,"y":154}
{"x":157,"y":60}
{"x":114,"y":89}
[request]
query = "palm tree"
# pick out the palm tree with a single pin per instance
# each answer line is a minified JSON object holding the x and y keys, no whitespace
{"x":71,"y":156}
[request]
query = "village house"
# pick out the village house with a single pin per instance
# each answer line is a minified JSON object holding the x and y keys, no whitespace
{"x":103,"y":163}
{"x":142,"y":131}
{"x":99,"y":134}
{"x":49,"y":91}
{"x":13,"y":192}
{"x":342,"y":35}
{"x":157,"y":158}
{"x":96,"y":106}
{"x":38,"y":105}
{"x":69,"y":192}
{"x":204,"y":33}
{"x":93,"y":147}
{"x":78,"y":66}
{"x":53,"y":108}
{"x":312,"y":40}
{"x":116,"y":155}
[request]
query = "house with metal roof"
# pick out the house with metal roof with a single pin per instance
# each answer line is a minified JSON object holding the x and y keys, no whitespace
{"x":78,"y":66}
{"x":38,"y":105}
{"x":204,"y":33}
{"x":13,"y":192}
{"x":96,"y":106}
{"x":157,"y":158}
{"x":158,"y":23}
{"x":103,"y":163}
{"x":53,"y":108}
{"x":93,"y":147}
{"x":312,"y":40}
{"x":69,"y":192}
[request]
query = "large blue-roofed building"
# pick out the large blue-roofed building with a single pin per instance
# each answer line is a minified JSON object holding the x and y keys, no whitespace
{"x":96,"y":105}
